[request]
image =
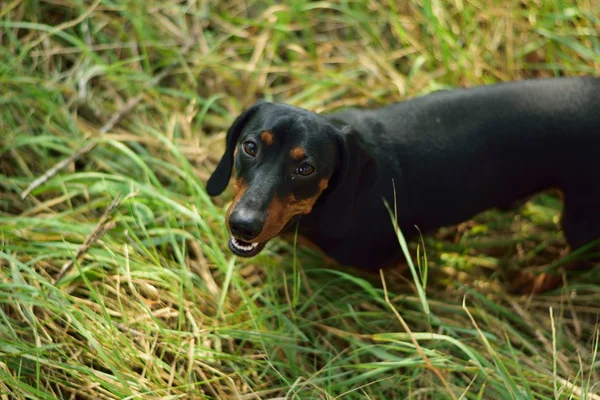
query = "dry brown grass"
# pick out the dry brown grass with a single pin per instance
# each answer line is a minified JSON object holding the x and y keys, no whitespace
{"x":157,"y":308}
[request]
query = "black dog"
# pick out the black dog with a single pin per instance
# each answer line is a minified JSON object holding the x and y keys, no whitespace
{"x":449,"y":155}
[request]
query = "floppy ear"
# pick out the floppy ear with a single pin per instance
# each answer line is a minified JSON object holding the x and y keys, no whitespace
{"x":356,"y":173}
{"x":220,"y":177}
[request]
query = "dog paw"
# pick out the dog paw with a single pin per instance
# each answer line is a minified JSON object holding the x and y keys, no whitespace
{"x":534,"y":283}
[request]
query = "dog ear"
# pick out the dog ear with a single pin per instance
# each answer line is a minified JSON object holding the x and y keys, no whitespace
{"x":355,"y":174}
{"x":219,"y":179}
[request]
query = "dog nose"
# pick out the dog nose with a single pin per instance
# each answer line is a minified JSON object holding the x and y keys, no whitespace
{"x":245,"y":225}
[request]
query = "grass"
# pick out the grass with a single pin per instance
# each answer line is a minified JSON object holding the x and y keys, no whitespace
{"x":156,"y":307}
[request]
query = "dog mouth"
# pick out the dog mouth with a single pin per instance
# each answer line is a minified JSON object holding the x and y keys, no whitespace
{"x":242,"y":248}
{"x":245,"y":249}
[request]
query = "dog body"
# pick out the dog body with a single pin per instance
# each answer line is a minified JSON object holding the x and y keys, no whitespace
{"x":440,"y":158}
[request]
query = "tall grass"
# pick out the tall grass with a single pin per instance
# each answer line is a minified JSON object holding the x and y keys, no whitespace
{"x":155,"y":306}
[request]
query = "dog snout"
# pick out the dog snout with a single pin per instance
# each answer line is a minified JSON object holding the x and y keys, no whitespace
{"x":245,"y":225}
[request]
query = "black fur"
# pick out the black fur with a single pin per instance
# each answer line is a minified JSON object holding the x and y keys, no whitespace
{"x":450,"y":154}
{"x":220,"y":177}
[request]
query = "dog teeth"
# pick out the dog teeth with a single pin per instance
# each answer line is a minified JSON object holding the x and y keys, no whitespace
{"x":240,"y":246}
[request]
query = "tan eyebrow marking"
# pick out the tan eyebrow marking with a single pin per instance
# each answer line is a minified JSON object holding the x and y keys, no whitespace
{"x":267,"y":137}
{"x":297,"y":153}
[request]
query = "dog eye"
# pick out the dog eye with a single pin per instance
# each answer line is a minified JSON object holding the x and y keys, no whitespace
{"x":250,"y":148}
{"x":305,"y":169}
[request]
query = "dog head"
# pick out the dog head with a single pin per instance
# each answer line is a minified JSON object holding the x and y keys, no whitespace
{"x":286,"y":160}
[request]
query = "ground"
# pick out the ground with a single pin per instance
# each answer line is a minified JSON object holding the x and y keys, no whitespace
{"x":115,"y":278}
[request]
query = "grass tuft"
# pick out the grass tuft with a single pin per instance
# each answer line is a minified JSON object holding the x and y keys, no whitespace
{"x":152,"y":305}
